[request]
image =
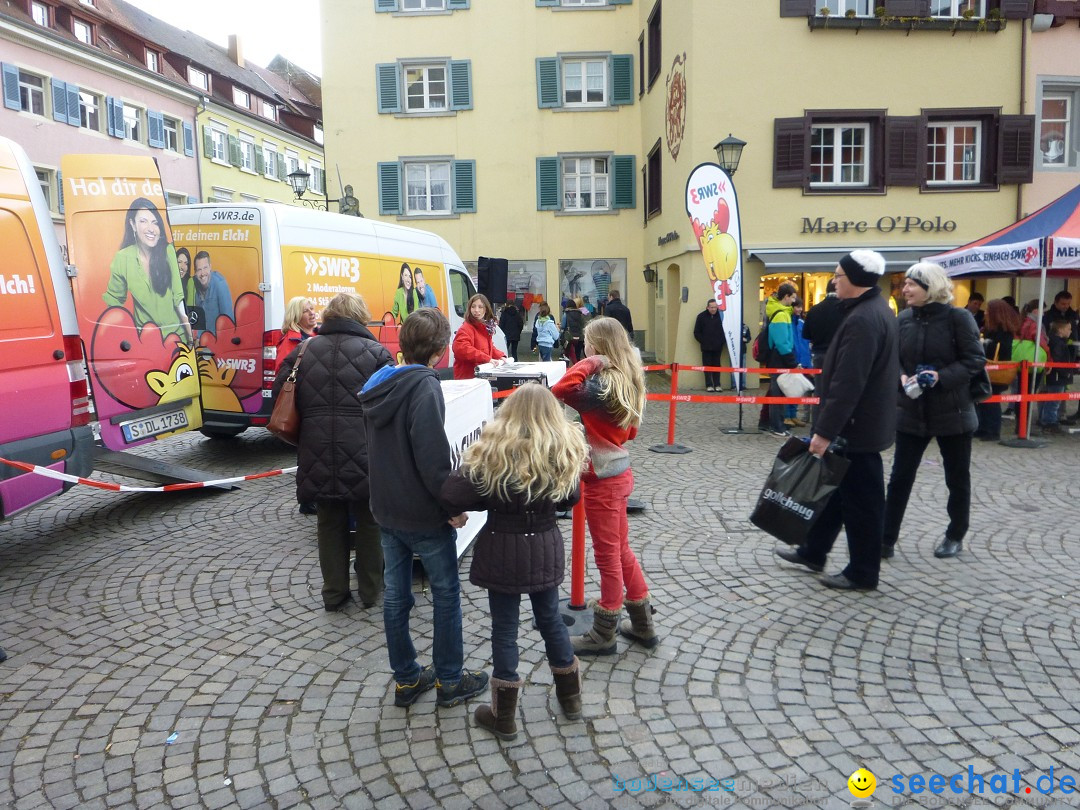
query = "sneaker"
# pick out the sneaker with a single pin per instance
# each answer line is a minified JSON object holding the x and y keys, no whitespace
{"x":782,"y":434}
{"x":470,"y":685}
{"x":790,"y":422}
{"x":710,"y":388}
{"x":406,"y":694}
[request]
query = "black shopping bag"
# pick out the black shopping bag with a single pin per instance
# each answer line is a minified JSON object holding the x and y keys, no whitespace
{"x":796,"y":491}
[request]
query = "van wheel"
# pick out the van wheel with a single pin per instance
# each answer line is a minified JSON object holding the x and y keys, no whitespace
{"x":221,"y":433}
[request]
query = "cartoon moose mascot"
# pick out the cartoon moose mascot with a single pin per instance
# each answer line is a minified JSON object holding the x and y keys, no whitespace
{"x":719,"y":250}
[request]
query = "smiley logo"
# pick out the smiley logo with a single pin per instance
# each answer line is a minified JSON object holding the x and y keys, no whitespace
{"x":862,"y":783}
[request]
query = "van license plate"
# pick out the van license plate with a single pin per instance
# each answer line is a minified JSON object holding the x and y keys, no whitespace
{"x":154,"y":425}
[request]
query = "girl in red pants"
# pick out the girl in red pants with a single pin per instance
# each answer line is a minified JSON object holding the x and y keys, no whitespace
{"x":608,"y":389}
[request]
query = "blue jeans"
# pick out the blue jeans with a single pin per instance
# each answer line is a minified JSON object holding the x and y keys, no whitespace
{"x":1048,"y":411}
{"x":545,"y":353}
{"x":504,"y":631}
{"x":438,"y":554}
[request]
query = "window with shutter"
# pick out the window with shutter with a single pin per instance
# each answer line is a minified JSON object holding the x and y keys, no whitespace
{"x":389,"y":188}
{"x":547,"y":83}
{"x":796,"y":8}
{"x":1016,"y":150}
{"x":789,"y":152}
{"x":388,"y":83}
{"x":461,"y":84}
{"x":189,"y":140}
{"x":902,"y":164}
{"x":464,"y":186}
{"x":547,"y":184}
{"x":59,"y":100}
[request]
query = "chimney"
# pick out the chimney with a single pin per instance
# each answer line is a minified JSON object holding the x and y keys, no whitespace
{"x":236,"y":49}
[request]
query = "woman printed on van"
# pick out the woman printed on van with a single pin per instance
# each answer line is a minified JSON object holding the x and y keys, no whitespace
{"x":187,"y":278}
{"x":473,"y":343}
{"x":607,"y":388}
{"x":298,"y":326}
{"x":525,"y":467}
{"x":145,"y":266}
{"x":406,"y":299}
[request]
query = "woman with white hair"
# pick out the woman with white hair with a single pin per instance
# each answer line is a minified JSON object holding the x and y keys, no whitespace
{"x":940,"y":352}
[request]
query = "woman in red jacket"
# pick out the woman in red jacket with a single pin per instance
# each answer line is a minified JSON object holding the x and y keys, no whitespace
{"x":473,"y":344}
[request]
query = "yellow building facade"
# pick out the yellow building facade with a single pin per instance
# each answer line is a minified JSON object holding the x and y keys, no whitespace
{"x":244,"y":160}
{"x":882,"y":128}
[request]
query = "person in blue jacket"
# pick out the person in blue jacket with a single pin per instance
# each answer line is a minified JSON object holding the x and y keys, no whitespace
{"x":802,"y":357}
{"x":211,"y":293}
{"x":781,"y":348}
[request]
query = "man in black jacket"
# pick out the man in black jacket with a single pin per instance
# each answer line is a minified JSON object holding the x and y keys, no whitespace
{"x":709,"y":332}
{"x":821,"y":322}
{"x":858,"y":393}
{"x":619,"y":311}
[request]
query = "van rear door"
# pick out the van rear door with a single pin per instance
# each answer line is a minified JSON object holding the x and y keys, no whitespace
{"x":130,"y":300}
{"x":35,"y":389}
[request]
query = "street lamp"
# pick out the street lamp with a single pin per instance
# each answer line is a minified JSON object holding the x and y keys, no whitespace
{"x":728,"y":153}
{"x":299,"y":180}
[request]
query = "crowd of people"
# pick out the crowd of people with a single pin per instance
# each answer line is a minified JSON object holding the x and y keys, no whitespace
{"x":529,"y":464}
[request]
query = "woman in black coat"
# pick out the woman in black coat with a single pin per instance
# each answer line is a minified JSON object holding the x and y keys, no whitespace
{"x":332,"y":451}
{"x":940,"y":352}
{"x":1001,"y":327}
{"x":511,"y":321}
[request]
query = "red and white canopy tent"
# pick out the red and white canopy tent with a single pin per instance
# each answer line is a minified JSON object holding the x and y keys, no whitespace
{"x":1046,"y":243}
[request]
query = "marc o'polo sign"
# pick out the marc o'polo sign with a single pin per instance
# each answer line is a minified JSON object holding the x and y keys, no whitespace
{"x":909,"y":224}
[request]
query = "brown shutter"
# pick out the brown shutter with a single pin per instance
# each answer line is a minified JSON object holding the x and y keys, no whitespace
{"x":1013,"y":9}
{"x":790,"y":153}
{"x":796,"y":8}
{"x":902,"y":162}
{"x":1016,"y":149}
{"x":907,"y":8}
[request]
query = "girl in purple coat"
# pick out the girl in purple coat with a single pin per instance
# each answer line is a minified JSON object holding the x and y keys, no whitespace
{"x":525,"y":467}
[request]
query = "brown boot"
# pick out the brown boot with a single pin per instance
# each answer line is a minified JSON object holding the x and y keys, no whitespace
{"x":639,"y":627}
{"x":568,"y":689}
{"x":500,"y":717}
{"x":600,"y":638}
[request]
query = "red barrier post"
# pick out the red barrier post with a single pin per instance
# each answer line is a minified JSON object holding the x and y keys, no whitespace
{"x":577,"y":555}
{"x":1022,"y":412}
{"x":671,"y":404}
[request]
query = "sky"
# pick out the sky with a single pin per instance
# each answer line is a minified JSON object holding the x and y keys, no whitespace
{"x":266,"y":27}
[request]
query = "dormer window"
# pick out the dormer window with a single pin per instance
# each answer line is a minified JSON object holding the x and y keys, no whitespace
{"x":198,"y":78}
{"x":241,"y":98}
{"x":83,"y":31}
{"x":40,"y":13}
{"x":87,"y":3}
{"x":152,"y":61}
{"x":267,"y":110}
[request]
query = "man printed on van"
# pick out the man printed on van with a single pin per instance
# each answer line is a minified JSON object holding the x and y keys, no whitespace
{"x":212,"y":292}
{"x":423,"y":291}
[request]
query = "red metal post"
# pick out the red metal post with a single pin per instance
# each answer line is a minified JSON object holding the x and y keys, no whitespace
{"x":671,"y":404}
{"x":577,"y":555}
{"x":1022,"y":412}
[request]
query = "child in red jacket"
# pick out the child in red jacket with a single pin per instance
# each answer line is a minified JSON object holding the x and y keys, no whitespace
{"x":473,"y":343}
{"x":608,"y":389}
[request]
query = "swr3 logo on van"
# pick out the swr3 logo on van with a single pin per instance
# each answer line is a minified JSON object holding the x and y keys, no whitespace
{"x":332,"y":266}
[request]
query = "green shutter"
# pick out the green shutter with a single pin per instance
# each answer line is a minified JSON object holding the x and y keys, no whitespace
{"x":389,"y":188}
{"x":623,"y":182}
{"x":547,"y":2}
{"x":386,"y":5}
{"x":281,"y":167}
{"x":234,"y":150}
{"x":619,"y":2}
{"x":260,"y":161}
{"x":621,"y":66}
{"x":461,"y":84}
{"x":548,"y":197}
{"x":388,"y":87}
{"x":464,"y":172}
{"x":456,"y":5}
{"x":548,"y":91}
{"x":207,"y":142}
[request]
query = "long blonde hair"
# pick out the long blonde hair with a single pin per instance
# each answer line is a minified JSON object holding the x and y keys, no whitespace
{"x":529,"y":448}
{"x":622,"y":381}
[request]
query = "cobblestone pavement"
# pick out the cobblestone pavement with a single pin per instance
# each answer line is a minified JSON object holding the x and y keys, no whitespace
{"x":132,"y":620}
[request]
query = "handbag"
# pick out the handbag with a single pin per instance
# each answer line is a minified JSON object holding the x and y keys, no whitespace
{"x":1002,"y":376}
{"x":285,"y":418}
{"x":980,"y":386}
{"x":793,"y":384}
{"x":797,"y":491}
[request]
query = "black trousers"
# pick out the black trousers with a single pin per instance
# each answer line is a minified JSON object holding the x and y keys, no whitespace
{"x":956,"y":460}
{"x":859,"y":506}
{"x":336,"y":545}
{"x":712,"y":378}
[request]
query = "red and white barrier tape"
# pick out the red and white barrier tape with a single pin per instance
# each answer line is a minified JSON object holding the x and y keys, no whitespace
{"x":76,"y":479}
